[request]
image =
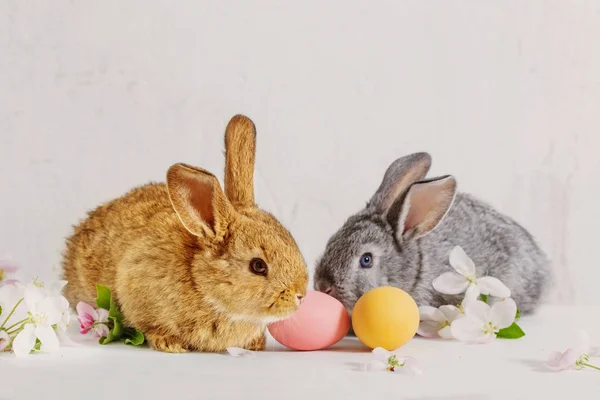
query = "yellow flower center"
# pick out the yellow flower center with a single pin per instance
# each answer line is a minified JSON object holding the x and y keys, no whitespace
{"x":39,"y":318}
{"x":1,"y":275}
{"x":489,"y":328}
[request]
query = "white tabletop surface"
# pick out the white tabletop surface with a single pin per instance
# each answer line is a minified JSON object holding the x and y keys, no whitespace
{"x":504,"y":369}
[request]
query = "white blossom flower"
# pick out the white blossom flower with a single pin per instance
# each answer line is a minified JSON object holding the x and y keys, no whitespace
{"x":43,"y":314}
{"x":388,"y":361}
{"x":436,"y":322}
{"x":464,"y":278}
{"x":480,"y":323}
{"x":36,"y":291}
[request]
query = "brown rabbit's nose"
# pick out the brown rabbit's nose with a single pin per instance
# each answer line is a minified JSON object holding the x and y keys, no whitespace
{"x":299,"y":298}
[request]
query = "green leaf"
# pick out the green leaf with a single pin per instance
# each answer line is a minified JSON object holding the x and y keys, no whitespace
{"x":134,"y":337}
{"x":115,"y":333}
{"x":512,"y":332}
{"x":104,"y":298}
{"x":114,"y":312}
{"x":0,"y":310}
{"x":38,"y":344}
{"x":483,"y":297}
{"x":518,"y":314}
{"x":106,"y":301}
{"x":118,"y":330}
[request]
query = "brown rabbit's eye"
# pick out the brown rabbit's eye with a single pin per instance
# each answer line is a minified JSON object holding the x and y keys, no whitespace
{"x":258,"y":266}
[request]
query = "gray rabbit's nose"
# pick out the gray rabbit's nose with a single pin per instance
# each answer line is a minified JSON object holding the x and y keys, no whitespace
{"x":324,"y":285}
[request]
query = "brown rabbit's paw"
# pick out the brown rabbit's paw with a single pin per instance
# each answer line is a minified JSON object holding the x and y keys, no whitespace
{"x":167,"y":344}
{"x":259,"y":343}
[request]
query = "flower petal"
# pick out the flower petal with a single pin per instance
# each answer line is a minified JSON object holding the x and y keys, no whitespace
{"x":50,"y":307}
{"x":64,"y":338}
{"x":381,"y":354}
{"x":560,"y":361}
{"x":63,"y":303}
{"x":101,"y":330}
{"x":8,"y":266}
{"x":554,"y":361}
{"x":428,"y":329}
{"x":428,"y":313}
{"x":493,"y":287}
{"x":48,"y":338}
{"x":446,"y":332}
{"x":24,"y":341}
{"x":10,"y":295}
{"x":85,"y":308}
{"x":239,"y":352}
{"x":412,"y":366}
{"x":374,"y":365}
{"x":64,"y":321}
{"x":102,"y":315}
{"x":503,"y":313}
{"x":450,"y":283}
{"x":85,"y":322}
{"x":55,"y":288}
{"x":33,"y":295}
{"x":468,"y":329}
{"x":450,"y":312}
{"x":477,"y":309}
{"x":472,"y":294}
{"x":4,"y":339}
{"x":461,"y":262}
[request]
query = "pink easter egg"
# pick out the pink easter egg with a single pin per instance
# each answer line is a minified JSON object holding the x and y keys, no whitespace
{"x":321,"y":321}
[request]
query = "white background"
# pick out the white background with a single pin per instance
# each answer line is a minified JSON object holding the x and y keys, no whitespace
{"x":98,"y":97}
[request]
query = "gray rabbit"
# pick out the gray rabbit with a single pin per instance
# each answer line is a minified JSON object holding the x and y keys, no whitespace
{"x":403,"y":238}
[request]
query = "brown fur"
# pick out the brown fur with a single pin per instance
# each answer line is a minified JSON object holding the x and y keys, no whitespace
{"x":176,"y":256}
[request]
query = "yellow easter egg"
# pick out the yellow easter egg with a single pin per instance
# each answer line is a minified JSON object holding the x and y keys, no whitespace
{"x":385,"y":317}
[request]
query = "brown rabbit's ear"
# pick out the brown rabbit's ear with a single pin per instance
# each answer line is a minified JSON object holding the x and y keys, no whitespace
{"x":398,"y":177}
{"x":240,"y":151}
{"x":422,"y":207}
{"x":199,"y":201}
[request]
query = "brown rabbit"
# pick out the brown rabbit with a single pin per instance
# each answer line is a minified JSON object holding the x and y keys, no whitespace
{"x":193,"y":268}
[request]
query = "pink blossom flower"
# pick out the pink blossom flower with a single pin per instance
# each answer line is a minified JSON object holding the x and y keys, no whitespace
{"x":91,"y":319}
{"x":576,"y":357}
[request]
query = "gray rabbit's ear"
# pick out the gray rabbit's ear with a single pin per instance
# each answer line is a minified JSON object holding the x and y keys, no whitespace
{"x":397,"y":179}
{"x":422,"y":207}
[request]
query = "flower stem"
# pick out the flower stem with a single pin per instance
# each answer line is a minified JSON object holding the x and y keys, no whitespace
{"x":15,"y":324}
{"x":589,"y":365}
{"x":19,"y":329}
{"x":11,"y":313}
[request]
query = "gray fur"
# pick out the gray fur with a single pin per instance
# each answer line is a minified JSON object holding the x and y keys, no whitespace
{"x":410,"y":258}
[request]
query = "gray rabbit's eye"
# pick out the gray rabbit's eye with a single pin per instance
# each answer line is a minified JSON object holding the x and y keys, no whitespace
{"x":366,"y":260}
